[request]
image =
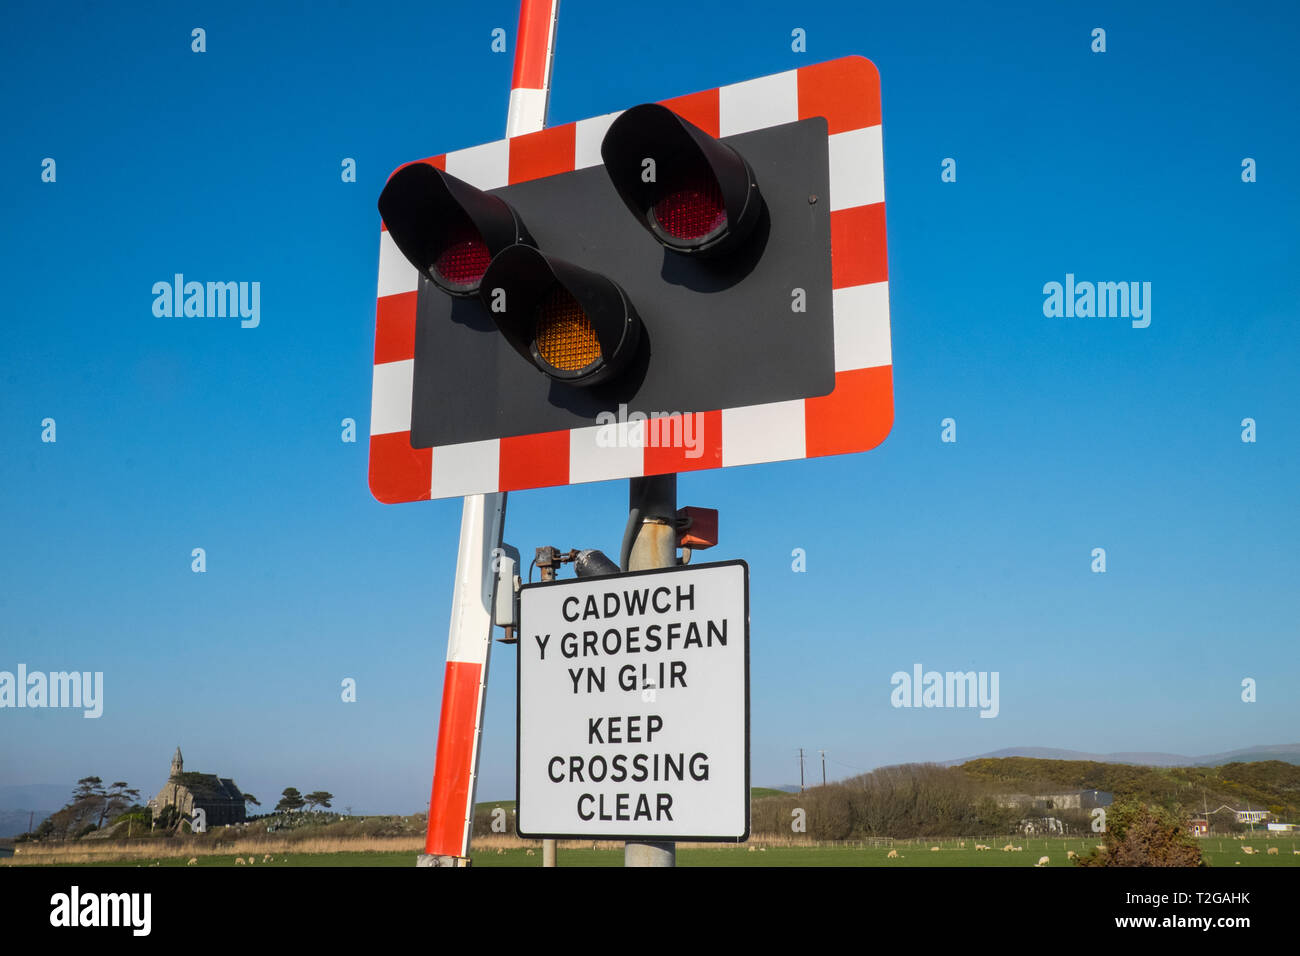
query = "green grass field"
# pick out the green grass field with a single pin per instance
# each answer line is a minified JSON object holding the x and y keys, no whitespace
{"x":1219,"y":853}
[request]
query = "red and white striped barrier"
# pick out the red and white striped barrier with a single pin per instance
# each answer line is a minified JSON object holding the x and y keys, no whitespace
{"x":469,"y":643}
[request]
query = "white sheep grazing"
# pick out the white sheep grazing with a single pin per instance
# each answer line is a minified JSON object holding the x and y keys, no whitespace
{"x":893,"y":855}
{"x":193,"y":860}
{"x":762,"y":849}
{"x":963,"y":844}
{"x":239,"y":861}
{"x":267,"y":858}
{"x":1043,"y":861}
{"x":1293,"y":852}
{"x":1248,"y":850}
{"x":1017,"y":849}
{"x":1272,"y":851}
{"x":1008,"y":848}
{"x":500,"y":851}
{"x":530,"y":853}
{"x":251,"y":860}
{"x":934,"y":849}
{"x":1070,"y":854}
{"x":753,"y":849}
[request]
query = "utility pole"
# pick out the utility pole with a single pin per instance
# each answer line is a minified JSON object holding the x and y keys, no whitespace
{"x":823,"y":753}
{"x":801,"y":770}
{"x":650,"y":541}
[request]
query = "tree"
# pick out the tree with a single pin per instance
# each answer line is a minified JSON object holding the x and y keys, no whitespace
{"x":290,"y":800}
{"x":85,"y":807}
{"x":167,"y":818}
{"x":118,"y":798}
{"x":1139,"y":834}
{"x":318,"y":798}
{"x":250,"y":799}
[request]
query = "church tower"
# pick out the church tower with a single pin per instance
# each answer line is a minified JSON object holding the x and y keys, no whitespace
{"x":178,"y":764}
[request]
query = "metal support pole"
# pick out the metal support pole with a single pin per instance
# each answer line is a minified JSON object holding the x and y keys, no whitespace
{"x":654,"y":545}
{"x":548,"y":846}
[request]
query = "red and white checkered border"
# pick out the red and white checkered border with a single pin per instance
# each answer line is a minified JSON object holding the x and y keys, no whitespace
{"x":855,"y":417}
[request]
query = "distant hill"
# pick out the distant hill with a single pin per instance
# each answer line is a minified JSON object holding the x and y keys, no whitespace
{"x":1263,"y":785}
{"x":18,"y":803}
{"x":1287,"y":753}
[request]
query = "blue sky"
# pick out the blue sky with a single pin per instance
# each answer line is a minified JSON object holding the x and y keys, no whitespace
{"x":1072,"y":433}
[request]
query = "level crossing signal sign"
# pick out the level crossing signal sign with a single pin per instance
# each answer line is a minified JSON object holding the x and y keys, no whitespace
{"x":690,"y":284}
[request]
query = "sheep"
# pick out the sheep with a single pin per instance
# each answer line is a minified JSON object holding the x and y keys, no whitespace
{"x":934,"y":849}
{"x":753,"y":849}
{"x":267,"y":858}
{"x":192,"y":861}
{"x":1008,"y":848}
{"x":239,"y":861}
{"x":500,"y":851}
{"x":530,"y":853}
{"x":1043,"y":861}
{"x":893,"y":855}
{"x":963,"y":844}
{"x":1248,"y":850}
{"x":1017,"y":849}
{"x":1070,"y":854}
{"x":1293,"y":852}
{"x":1272,"y":851}
{"x":982,"y":846}
{"x":251,"y":859}
{"x":762,"y":849}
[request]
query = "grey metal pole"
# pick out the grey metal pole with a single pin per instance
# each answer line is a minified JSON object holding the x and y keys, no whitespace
{"x":549,"y":847}
{"x":654,"y":545}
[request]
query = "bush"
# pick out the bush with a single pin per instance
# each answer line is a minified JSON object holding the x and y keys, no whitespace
{"x":1139,"y":834}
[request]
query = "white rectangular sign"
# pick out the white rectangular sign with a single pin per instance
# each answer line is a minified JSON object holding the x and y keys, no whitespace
{"x":633,"y":714}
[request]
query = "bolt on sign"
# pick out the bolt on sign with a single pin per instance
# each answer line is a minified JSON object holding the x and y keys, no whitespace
{"x":690,"y":284}
{"x":633,"y":706}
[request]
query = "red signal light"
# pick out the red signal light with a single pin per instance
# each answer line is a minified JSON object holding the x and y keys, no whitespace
{"x":461,"y":264}
{"x":692,"y":212}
